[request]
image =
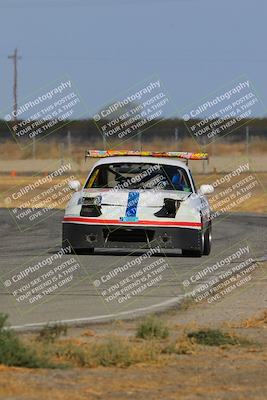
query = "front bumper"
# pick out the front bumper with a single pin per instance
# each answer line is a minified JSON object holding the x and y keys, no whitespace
{"x":85,"y":236}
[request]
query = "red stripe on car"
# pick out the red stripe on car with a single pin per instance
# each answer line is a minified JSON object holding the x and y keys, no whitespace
{"x":142,"y":222}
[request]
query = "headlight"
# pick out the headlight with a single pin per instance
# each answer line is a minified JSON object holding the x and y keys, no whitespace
{"x":90,"y":201}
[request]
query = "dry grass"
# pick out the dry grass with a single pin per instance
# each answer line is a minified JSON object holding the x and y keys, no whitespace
{"x":253,"y":322}
{"x":11,"y":151}
{"x":108,"y":351}
{"x":113,"y":350}
{"x":180,"y":346}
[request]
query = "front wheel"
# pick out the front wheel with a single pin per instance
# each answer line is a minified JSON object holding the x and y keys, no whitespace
{"x":207,"y":241}
{"x":191,"y":253}
{"x":205,"y":245}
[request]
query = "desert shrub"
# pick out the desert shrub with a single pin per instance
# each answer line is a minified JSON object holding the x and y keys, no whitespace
{"x":215,"y":337}
{"x":15,"y":353}
{"x":49,"y":333}
{"x":152,"y":328}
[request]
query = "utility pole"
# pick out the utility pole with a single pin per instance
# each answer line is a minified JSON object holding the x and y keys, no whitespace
{"x":15,"y":59}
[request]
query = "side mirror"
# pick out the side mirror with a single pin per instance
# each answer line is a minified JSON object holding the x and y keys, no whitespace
{"x":74,"y":185}
{"x":206,"y":189}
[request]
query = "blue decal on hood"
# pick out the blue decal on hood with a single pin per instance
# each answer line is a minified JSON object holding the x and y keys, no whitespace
{"x":131,"y":209}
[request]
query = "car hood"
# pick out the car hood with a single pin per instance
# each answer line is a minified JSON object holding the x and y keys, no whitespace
{"x":147,"y":198}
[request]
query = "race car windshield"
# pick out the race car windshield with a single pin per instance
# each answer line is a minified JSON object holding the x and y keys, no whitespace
{"x":139,"y":176}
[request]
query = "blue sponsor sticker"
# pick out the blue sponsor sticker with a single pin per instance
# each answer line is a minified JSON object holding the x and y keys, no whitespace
{"x":129,"y":219}
{"x":131,"y":209}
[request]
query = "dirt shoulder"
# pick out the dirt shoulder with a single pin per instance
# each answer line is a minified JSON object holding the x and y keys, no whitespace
{"x":211,"y":374}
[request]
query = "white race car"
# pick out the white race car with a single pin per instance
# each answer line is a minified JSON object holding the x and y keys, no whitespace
{"x":135,"y":199}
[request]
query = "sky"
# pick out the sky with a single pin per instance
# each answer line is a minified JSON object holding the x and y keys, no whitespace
{"x":108,"y":46}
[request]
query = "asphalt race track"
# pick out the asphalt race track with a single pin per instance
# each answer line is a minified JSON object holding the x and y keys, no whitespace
{"x":89,"y":292}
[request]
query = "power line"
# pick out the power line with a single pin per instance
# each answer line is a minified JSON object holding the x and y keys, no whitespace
{"x":15,"y":59}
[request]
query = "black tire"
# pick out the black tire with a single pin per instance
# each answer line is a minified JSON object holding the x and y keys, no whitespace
{"x":191,"y":253}
{"x":83,"y":251}
{"x":207,"y":241}
{"x":195,"y":253}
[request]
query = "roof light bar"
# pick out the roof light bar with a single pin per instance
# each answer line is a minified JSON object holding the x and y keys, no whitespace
{"x":123,"y":153}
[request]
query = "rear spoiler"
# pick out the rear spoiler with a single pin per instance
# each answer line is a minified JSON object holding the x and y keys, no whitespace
{"x":123,"y":153}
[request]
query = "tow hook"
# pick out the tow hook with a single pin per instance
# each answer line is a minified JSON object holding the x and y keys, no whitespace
{"x":165,"y":238}
{"x":91,"y":238}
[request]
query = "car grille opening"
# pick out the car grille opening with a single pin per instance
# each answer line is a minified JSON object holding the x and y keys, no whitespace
{"x":90,"y":211}
{"x":128,"y":235}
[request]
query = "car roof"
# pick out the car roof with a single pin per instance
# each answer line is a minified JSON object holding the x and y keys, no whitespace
{"x":138,"y":159}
